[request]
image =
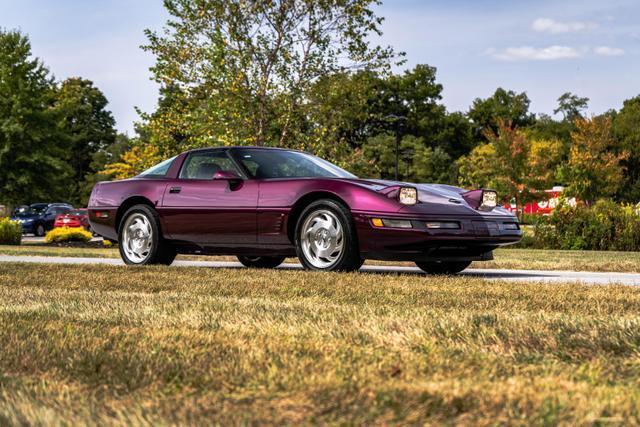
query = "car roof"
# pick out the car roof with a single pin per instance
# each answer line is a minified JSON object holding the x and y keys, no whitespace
{"x":243,"y":147}
{"x":51,"y":204}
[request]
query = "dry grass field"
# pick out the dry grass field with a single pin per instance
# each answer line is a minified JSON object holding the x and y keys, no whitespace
{"x":157,"y":345}
{"x":524,"y":259}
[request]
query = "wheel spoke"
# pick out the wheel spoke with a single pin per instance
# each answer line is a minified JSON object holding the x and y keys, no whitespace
{"x":322,"y":239}
{"x":137,"y":238}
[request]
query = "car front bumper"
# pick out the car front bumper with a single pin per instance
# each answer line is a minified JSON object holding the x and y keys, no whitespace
{"x":475,"y":239}
{"x":28,"y":228}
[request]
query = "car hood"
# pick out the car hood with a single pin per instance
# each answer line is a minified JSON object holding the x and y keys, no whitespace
{"x":426,"y":192}
{"x":25,"y":216}
{"x":433,"y":194}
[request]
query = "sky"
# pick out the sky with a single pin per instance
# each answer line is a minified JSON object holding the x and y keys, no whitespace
{"x":542,"y":47}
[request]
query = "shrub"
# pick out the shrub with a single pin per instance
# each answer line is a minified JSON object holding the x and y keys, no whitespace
{"x":10,"y":232}
{"x":604,"y":226}
{"x":67,"y":234}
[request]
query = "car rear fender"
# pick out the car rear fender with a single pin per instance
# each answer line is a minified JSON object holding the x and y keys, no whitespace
{"x":127,"y":204}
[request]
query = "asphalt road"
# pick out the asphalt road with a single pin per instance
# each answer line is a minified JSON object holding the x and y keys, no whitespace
{"x":29,"y":238}
{"x":489,"y":274}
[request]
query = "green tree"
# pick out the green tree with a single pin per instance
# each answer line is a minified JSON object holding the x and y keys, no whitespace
{"x":455,"y":136}
{"x":341,"y":110}
{"x":417,"y":162}
{"x":626,"y":128}
{"x":546,"y":128}
{"x":503,"y":106}
{"x":511,"y":163}
{"x":353,"y":107}
{"x":477,"y":169}
{"x":110,"y":154}
{"x":594,"y":167}
{"x":245,"y":67}
{"x":87,"y":126}
{"x":33,"y":155}
{"x":545,"y":156}
{"x":571,"y":106}
{"x":511,"y":147}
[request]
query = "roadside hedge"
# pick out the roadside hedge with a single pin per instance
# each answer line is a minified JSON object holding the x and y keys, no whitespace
{"x":10,"y":232}
{"x":68,"y":234}
{"x":606,"y":226}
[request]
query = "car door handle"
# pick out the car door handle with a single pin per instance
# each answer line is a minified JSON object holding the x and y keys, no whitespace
{"x":175,"y":190}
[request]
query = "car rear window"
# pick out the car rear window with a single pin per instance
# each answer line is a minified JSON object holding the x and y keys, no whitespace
{"x":158,"y":170}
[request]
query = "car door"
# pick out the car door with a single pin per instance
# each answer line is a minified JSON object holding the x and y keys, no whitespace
{"x":199,"y":209}
{"x":49,"y":217}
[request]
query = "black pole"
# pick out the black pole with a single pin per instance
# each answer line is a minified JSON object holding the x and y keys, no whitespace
{"x":397,"y":146}
{"x":397,"y":121}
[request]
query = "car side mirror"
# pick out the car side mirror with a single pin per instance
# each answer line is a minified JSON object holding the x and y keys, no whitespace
{"x":235,"y":180}
{"x":227,"y":175}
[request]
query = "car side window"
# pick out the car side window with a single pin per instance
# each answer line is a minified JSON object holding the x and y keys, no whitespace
{"x":205,"y":164}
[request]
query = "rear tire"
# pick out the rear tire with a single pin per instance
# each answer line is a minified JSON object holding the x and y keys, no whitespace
{"x":260,"y":261}
{"x":40,"y":231}
{"x":141,"y":241}
{"x":325,"y":238}
{"x":443,"y":267}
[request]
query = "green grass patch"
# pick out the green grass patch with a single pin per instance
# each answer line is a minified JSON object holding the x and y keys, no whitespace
{"x":103,"y":344}
{"x":522,"y":259}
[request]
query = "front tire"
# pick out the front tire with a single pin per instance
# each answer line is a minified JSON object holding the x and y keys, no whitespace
{"x":325,"y":238}
{"x":40,"y":231}
{"x":260,"y":261}
{"x":443,"y":267}
{"x":141,"y":241}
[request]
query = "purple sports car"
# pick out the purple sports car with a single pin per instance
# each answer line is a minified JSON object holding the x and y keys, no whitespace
{"x":265,"y":204}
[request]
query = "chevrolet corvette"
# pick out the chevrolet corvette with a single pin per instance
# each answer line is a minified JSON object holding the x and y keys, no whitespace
{"x":265,"y":204}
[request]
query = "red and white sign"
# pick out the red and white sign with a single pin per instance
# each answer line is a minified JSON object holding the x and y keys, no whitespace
{"x":543,"y":207}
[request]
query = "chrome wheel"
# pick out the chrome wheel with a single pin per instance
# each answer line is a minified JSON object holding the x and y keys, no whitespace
{"x":137,"y":238}
{"x":321,"y":239}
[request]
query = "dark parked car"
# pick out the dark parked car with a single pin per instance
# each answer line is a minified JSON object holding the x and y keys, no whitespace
{"x":39,"y":217}
{"x":73,"y":219}
{"x":19,"y":210}
{"x":265,"y":204}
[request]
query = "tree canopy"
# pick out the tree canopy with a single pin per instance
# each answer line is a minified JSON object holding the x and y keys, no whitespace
{"x":571,"y":106}
{"x":49,"y":132}
{"x":244,"y":68}
{"x":87,"y":127}
{"x":504,"y":106}
{"x":32,"y":158}
{"x":301,"y":74}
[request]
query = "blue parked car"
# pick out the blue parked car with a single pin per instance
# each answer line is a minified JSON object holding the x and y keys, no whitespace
{"x":39,"y":217}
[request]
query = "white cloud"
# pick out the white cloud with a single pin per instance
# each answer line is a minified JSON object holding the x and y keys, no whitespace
{"x":547,"y":25}
{"x":529,"y":53}
{"x":608,"y":51}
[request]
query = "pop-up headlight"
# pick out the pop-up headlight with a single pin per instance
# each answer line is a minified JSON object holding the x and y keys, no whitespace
{"x":408,"y":196}
{"x":489,"y":200}
{"x":482,"y":200}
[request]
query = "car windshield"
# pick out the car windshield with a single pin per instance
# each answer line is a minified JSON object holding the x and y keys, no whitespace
{"x":36,"y":210}
{"x":265,"y":164}
{"x":160,"y":169}
{"x":77,"y":212}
